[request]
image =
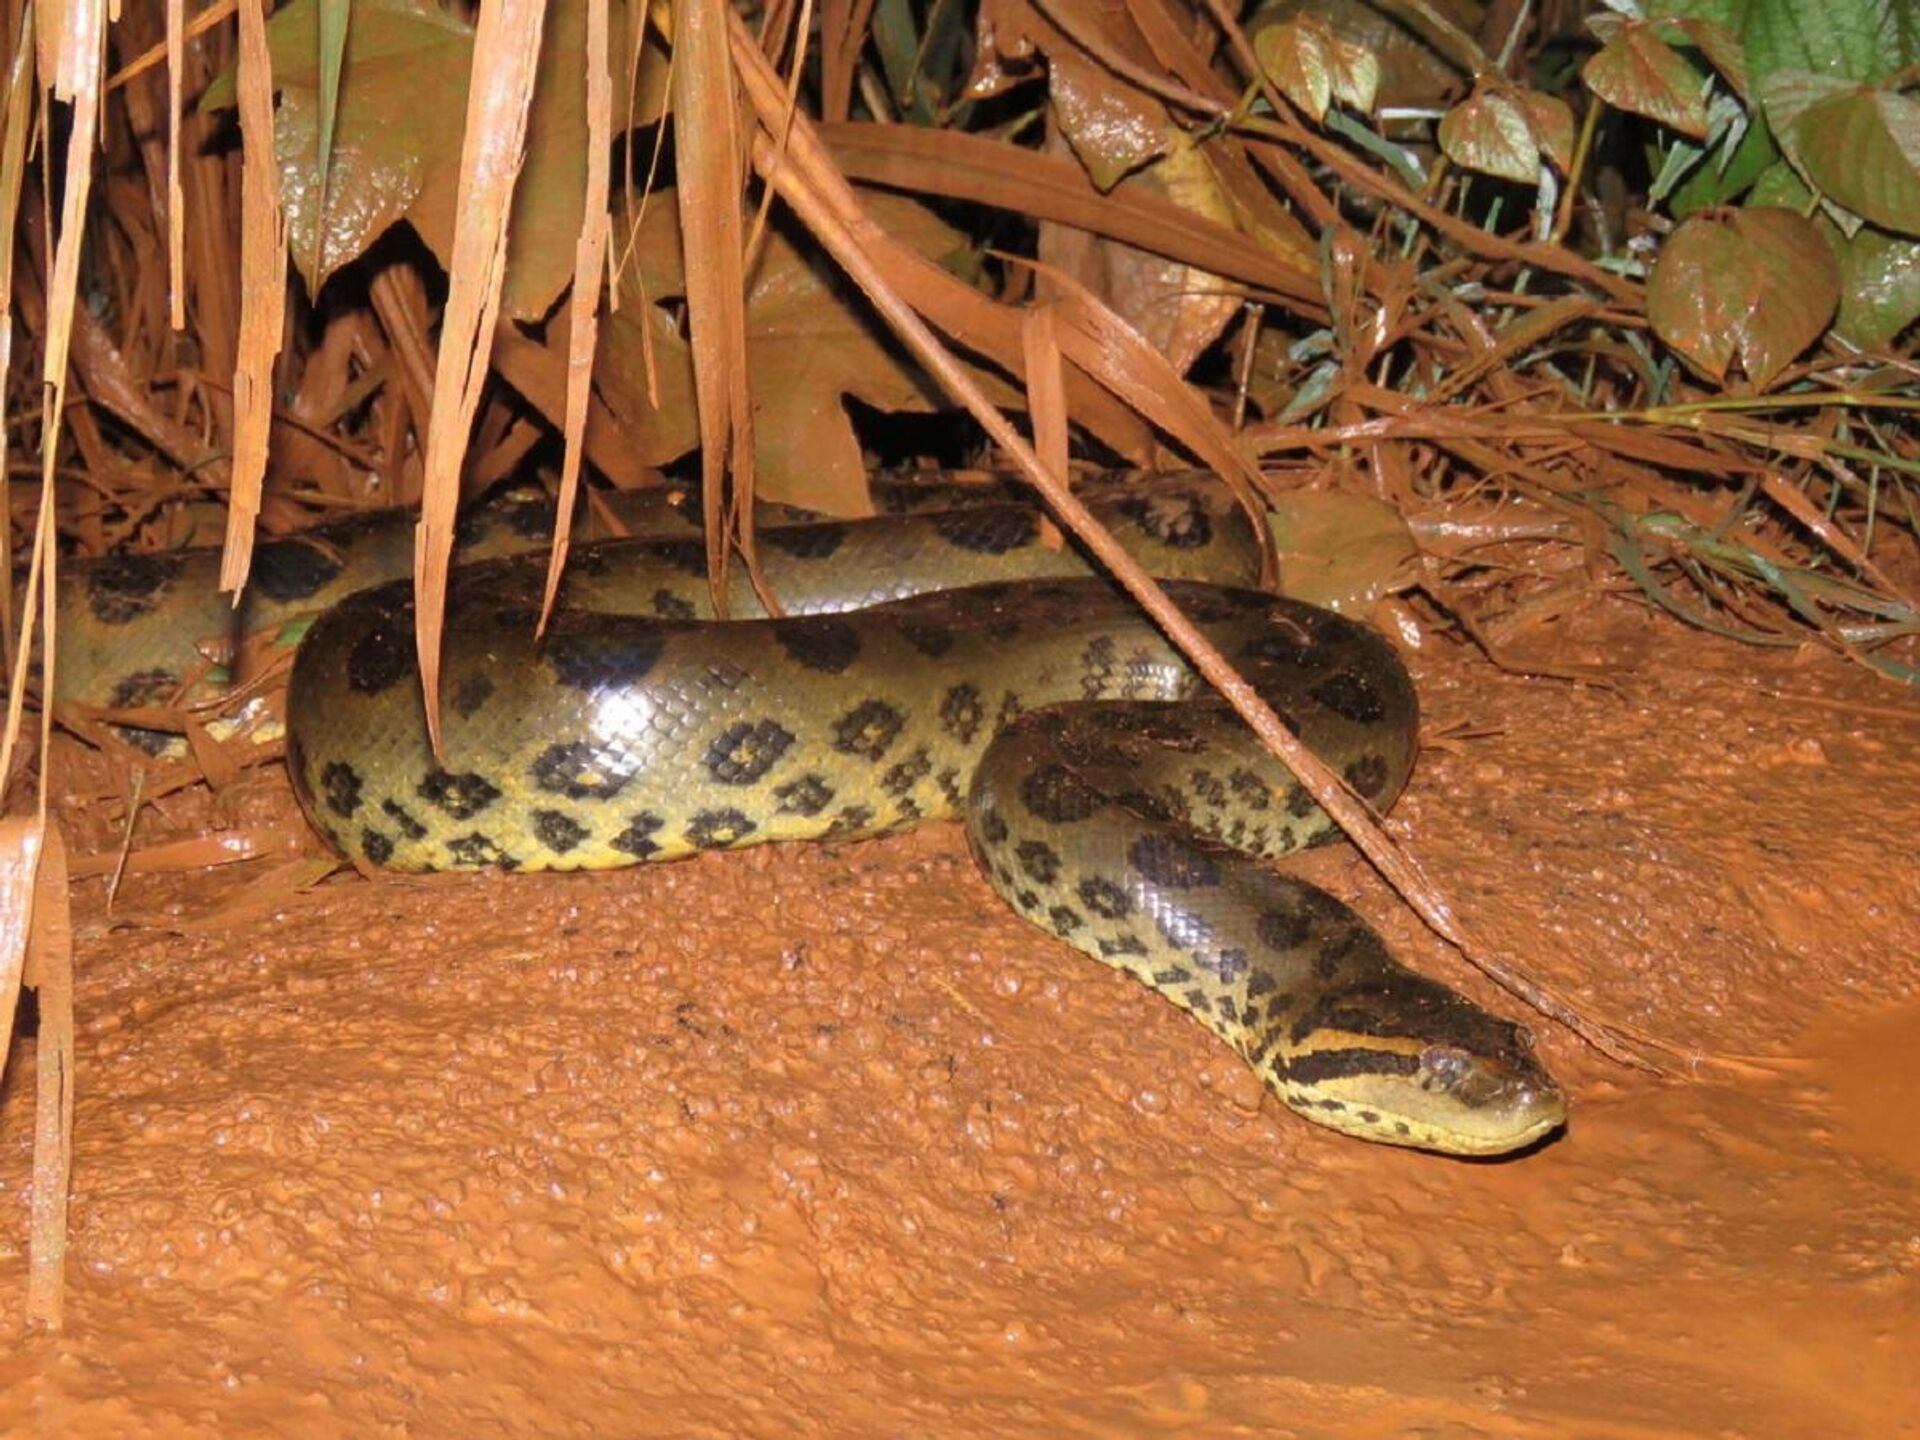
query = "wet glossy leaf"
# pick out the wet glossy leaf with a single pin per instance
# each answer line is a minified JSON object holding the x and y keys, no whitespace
{"x":1859,"y":146}
{"x":1311,"y":65}
{"x":1755,"y":286}
{"x":1640,"y":73}
{"x":1337,"y":549}
{"x":1552,"y":122}
{"x":1489,"y":132}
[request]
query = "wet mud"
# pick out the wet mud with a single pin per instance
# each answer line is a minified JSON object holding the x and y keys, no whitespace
{"x":821,"y":1141}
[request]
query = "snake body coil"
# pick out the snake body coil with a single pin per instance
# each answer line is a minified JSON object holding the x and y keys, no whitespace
{"x":1108,"y":799}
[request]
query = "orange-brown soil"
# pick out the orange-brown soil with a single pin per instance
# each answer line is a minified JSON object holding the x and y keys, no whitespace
{"x":819,"y":1142}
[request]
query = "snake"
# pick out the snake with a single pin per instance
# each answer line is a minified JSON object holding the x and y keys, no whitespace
{"x":955,"y":664}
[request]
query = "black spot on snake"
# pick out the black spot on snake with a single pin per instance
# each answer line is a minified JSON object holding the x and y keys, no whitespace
{"x":1064,"y":919}
{"x":1208,"y":786}
{"x":292,"y":569}
{"x":689,"y":557}
{"x":581,"y":770}
{"x":930,"y":639}
{"x":381,"y":658}
{"x":1117,"y":945}
{"x":745,"y":751}
{"x":991,"y":530}
{"x":340,"y":784}
{"x":820,"y":643}
{"x":124,"y":587}
{"x":961,"y":712}
{"x":558,"y":831}
{"x":852,"y":820}
{"x":806,"y":542}
{"x":529,"y":515}
{"x":1250,"y":790}
{"x":868,"y":730}
{"x":637,"y":839}
{"x":669,"y":606}
{"x":1039,"y":859}
{"x":808,"y":795}
{"x":1283,"y":930}
{"x":461,"y":796}
{"x":376,"y":846}
{"x":949,"y":782}
{"x":1226,"y":966}
{"x":1104,"y":898}
{"x":1299,"y":802}
{"x":403,"y":820}
{"x":475,"y":851}
{"x":143,"y":687}
{"x":1056,"y":795}
{"x":1351,"y":696}
{"x":1172,"y":862}
{"x":909,"y":772}
{"x":599,"y":657}
{"x":718,"y":829}
{"x":993,"y":827}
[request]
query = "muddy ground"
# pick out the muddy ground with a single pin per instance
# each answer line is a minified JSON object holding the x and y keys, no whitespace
{"x":821,"y":1142}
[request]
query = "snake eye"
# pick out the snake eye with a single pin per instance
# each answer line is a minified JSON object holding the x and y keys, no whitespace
{"x":1446,"y":1065}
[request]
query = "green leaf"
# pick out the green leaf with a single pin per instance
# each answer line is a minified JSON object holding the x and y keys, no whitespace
{"x":1845,"y":39}
{"x":1879,"y":285}
{"x":1859,"y":147}
{"x":1721,"y":177}
{"x":1756,"y":285}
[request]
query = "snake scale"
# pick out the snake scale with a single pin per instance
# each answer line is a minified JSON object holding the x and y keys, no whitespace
{"x":952,"y":664}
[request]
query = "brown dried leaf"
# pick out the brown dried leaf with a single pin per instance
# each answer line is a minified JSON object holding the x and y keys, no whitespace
{"x":1640,"y":73}
{"x":263,"y":296}
{"x":506,"y":49}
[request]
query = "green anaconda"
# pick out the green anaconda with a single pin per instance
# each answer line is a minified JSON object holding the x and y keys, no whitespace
{"x":1109,"y":799}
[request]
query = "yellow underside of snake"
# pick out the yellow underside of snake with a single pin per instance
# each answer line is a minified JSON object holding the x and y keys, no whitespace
{"x":1108,"y":799}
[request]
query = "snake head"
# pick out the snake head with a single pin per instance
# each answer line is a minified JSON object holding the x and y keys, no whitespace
{"x":1406,"y":1061}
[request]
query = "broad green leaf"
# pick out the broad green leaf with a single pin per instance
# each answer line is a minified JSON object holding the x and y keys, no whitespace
{"x":1640,"y":73}
{"x":1719,"y":178}
{"x":1844,"y":39}
{"x":1859,"y":147}
{"x":1756,"y":285}
{"x":1879,"y":285}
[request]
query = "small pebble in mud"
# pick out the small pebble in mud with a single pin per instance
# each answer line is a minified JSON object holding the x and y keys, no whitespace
{"x":1150,"y":1102}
